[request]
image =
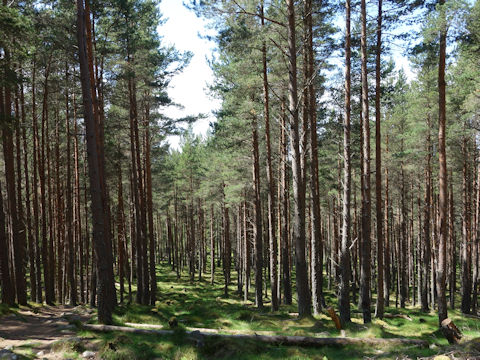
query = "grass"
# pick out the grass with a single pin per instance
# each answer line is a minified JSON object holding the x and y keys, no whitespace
{"x":202,"y":305}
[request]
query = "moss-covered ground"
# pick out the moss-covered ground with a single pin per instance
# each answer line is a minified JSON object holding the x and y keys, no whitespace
{"x":199,"y":304}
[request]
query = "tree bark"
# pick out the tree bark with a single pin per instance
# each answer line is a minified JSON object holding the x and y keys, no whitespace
{"x":104,"y":266}
{"x":442,"y":172}
{"x":345,"y":271}
{"x":365,"y":246}
{"x":303,"y":291}
{"x":378,"y":172}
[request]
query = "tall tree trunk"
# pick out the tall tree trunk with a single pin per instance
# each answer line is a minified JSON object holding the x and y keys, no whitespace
{"x":8,"y":291}
{"x":212,"y":247}
{"x":442,"y":172}
{"x":378,"y":171}
{"x":386,"y":247}
{"x":21,"y":218}
{"x":258,"y":233}
{"x":7,"y":140}
{"x":466,"y":256}
{"x":303,"y":291}
{"x":311,"y":102}
{"x":365,"y":269}
{"x":104,"y":266}
{"x":151,"y":234}
{"x":345,"y":271}
{"x":453,"y":255}
{"x":121,"y":234}
{"x":31,"y":238}
{"x":272,"y":239}
{"x":284,"y":212}
{"x":426,"y":247}
{"x":69,"y":214}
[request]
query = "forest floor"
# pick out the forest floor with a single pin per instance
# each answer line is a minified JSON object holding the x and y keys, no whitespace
{"x":45,"y":332}
{"x":200,"y":305}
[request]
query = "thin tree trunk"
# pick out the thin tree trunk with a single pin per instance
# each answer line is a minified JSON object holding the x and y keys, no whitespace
{"x":365,"y":269}
{"x":345,"y":271}
{"x":442,"y":173}
{"x":273,"y":246}
{"x":303,"y":291}
{"x":378,"y":171}
{"x":466,"y":256}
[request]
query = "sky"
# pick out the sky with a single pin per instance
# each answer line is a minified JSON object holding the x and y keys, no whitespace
{"x":190,"y":88}
{"x":182,"y":29}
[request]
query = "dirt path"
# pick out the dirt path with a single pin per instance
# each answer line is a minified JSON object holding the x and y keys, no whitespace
{"x":38,"y":330}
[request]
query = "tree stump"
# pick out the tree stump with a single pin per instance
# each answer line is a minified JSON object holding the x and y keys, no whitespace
{"x":335,"y":318}
{"x":450,"y":331}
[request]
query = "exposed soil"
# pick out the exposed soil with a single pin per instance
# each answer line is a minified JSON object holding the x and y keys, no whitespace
{"x":38,"y":329}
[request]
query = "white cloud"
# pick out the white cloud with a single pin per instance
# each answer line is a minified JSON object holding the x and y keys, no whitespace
{"x":189,"y":88}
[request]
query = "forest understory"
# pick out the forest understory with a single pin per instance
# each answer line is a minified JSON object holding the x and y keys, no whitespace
{"x":331,"y":210}
{"x":202,"y":306}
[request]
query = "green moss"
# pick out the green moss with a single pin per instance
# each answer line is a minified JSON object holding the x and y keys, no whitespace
{"x":202,"y":305}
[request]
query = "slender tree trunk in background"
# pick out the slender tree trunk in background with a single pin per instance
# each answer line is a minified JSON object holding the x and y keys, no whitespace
{"x":104,"y":267}
{"x":212,"y":247}
{"x":50,"y":204}
{"x":452,"y":236}
{"x":466,"y":256}
{"x":311,"y":102}
{"x":191,"y":237}
{"x":78,"y":212}
{"x":31,"y":238}
{"x":476,"y":248}
{"x":272,"y":239}
{"x":247,"y":250}
{"x":151,"y":234}
{"x":379,"y":310}
{"x":136,"y":196}
{"x":426,"y":247}
{"x":8,"y":291}
{"x":7,"y":140}
{"x":21,"y":218}
{"x":345,"y":271}
{"x":69,"y":212}
{"x":258,"y":233}
{"x":46,"y":260}
{"x":303,"y":291}
{"x":386,"y":247}
{"x":365,"y":269}
{"x":57,"y":216}
{"x":227,"y":250}
{"x":35,"y":155}
{"x":121,"y":234}
{"x":402,"y":254}
{"x":284,"y":211}
{"x":442,"y":173}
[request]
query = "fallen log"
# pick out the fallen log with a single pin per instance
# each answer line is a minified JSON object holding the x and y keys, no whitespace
{"x":213,"y":331}
{"x":269,"y":339}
